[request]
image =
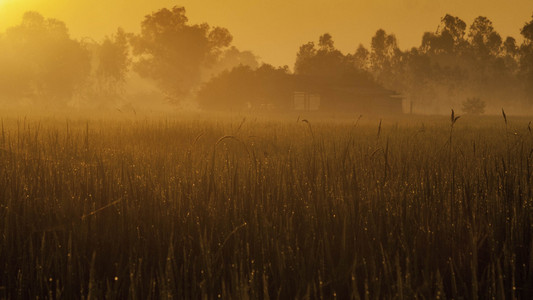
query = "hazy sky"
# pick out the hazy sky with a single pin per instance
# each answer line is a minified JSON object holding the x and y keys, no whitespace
{"x":274,"y":29}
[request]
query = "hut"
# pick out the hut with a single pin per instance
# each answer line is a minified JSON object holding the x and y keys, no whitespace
{"x":362,"y":96}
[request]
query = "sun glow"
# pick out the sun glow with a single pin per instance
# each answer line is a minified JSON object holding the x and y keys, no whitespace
{"x":296,"y":22}
{"x":5,"y":2}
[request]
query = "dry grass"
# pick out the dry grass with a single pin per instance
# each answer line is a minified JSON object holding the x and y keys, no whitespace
{"x":266,"y":209}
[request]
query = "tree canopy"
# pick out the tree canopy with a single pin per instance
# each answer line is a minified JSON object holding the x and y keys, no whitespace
{"x":244,"y":87}
{"x":173,"y":52}
{"x":39,"y":60}
{"x":114,"y":60}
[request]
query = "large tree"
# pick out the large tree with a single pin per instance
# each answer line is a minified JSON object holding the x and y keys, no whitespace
{"x":527,"y":31}
{"x":322,"y":61}
{"x":229,"y":59}
{"x":330,"y":65}
{"x":45,"y":63}
{"x":384,"y":57}
{"x":360,"y":58}
{"x":450,"y":65}
{"x":526,"y":58}
{"x":113,"y":63}
{"x":484,"y":39}
{"x":454,"y":26}
{"x":173,"y":52}
{"x":384,"y":46}
{"x":448,"y":38}
{"x":244,"y":87}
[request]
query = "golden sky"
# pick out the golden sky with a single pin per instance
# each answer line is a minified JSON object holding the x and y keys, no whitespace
{"x":274,"y":29}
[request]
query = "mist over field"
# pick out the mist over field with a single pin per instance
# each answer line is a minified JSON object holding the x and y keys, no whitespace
{"x":172,"y":63}
{"x":176,"y":157}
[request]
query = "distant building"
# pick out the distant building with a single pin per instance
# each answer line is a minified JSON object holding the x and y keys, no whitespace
{"x":275,"y":90}
{"x":364,"y":97}
{"x":306,"y":101}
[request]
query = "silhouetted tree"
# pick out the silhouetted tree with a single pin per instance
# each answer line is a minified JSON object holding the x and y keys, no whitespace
{"x":526,"y":58}
{"x":384,"y":57}
{"x":483,"y":39}
{"x":173,"y":53}
{"x":246,"y":88}
{"x":45,"y":63}
{"x":448,"y":38}
{"x":509,"y":47}
{"x":113,"y":62}
{"x":383,"y":49}
{"x":418,"y":77}
{"x":527,"y":31}
{"x":325,"y":42}
{"x":437,"y":43}
{"x":326,"y":61}
{"x":230,"y":59}
{"x":306,"y":53}
{"x":509,"y":56}
{"x":454,"y":26}
{"x":361,"y":58}
{"x":386,"y":60}
{"x":447,"y":66}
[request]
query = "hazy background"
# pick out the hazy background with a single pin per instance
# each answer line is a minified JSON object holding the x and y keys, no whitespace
{"x":274,"y":29}
{"x":474,"y":56}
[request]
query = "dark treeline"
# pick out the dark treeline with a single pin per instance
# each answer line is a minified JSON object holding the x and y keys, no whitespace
{"x":40,"y":63}
{"x":454,"y":66}
{"x":457,"y":62}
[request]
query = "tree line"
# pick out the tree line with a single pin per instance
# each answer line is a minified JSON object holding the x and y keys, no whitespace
{"x":40,"y":61}
{"x":457,"y":62}
{"x":454,"y":65}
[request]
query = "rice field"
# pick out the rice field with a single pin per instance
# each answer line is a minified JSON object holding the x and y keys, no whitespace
{"x":256,"y":208}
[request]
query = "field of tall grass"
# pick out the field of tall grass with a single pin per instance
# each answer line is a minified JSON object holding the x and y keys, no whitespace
{"x":259,"y":208}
